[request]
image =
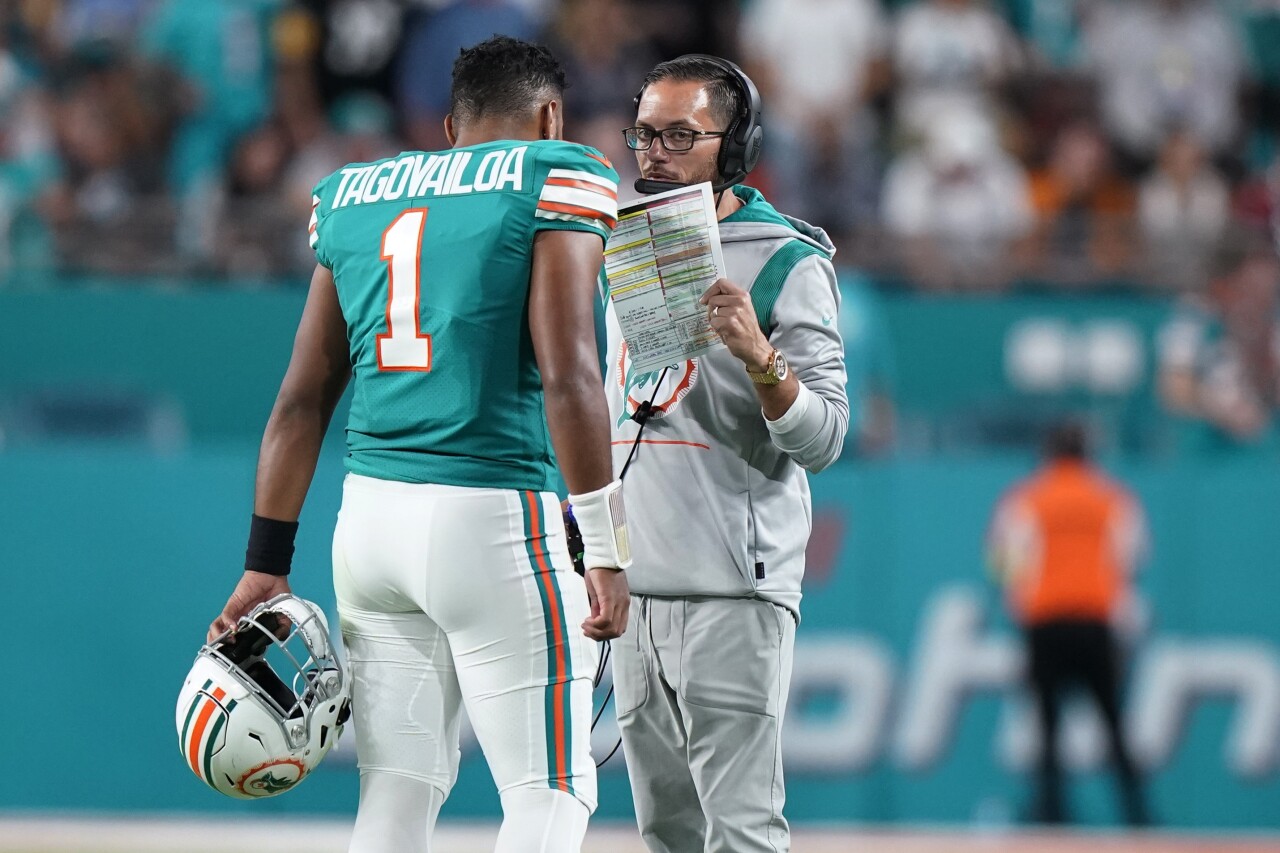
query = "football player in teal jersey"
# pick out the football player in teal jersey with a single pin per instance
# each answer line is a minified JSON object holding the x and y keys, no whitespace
{"x":455,"y":290}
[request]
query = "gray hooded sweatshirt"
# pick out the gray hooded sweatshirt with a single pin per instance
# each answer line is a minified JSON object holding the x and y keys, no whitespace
{"x":717,"y":497}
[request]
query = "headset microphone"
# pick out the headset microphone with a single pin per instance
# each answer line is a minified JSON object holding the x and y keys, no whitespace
{"x":648,"y":187}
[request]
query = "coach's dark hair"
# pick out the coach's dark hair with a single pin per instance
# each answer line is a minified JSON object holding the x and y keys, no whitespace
{"x":503,"y":76}
{"x":1067,"y":440}
{"x":726,"y":94}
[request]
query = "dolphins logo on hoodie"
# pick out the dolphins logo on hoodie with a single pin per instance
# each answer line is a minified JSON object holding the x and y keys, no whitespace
{"x":640,"y":386}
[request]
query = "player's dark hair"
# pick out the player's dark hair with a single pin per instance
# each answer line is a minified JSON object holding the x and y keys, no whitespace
{"x":503,"y":76}
{"x":1067,"y":440}
{"x":726,"y":93}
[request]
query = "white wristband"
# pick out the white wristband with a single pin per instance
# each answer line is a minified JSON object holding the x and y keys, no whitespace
{"x":602,"y":522}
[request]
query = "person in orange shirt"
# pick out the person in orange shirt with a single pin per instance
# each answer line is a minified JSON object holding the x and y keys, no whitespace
{"x":1065,"y":541}
{"x":1084,"y":208}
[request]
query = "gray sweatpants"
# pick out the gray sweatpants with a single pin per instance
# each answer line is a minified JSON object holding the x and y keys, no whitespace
{"x":701,"y":689}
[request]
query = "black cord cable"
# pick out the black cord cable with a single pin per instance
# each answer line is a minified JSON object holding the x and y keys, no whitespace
{"x":603,"y":705}
{"x":610,"y":755}
{"x":641,"y":416}
{"x":600,"y":667}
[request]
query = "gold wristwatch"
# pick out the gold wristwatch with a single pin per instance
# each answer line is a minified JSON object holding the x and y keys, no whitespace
{"x":778,"y":370}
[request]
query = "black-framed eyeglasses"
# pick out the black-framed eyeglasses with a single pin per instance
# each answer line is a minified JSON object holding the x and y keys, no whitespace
{"x":673,"y":138}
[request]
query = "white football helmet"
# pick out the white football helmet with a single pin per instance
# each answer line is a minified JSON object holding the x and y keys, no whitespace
{"x":258,"y":712}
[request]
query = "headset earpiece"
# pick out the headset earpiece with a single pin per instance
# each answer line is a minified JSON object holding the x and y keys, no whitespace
{"x":741,"y":149}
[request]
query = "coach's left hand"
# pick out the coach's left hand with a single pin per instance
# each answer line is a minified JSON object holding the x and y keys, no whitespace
{"x":734,"y":319}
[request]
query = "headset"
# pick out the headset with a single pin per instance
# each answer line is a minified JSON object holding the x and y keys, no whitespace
{"x":739,"y":147}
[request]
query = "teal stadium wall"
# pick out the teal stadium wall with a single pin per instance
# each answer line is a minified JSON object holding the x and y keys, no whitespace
{"x":116,"y":554}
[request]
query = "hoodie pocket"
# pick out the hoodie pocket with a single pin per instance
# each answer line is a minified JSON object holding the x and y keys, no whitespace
{"x":631,"y":665}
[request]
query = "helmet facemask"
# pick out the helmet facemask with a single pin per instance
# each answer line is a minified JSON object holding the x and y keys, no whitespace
{"x":264,"y":702}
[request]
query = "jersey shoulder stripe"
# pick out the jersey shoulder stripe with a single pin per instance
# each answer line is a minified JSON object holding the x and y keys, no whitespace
{"x":607,"y":208}
{"x":559,"y":176}
{"x":576,"y":189}
{"x":574,"y":213}
{"x":573,"y":195}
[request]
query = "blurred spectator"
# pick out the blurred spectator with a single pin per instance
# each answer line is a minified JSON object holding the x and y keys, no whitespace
{"x":28,"y":164}
{"x":357,"y":42}
{"x":596,"y":42}
{"x":107,"y":206}
{"x":1165,"y":63}
{"x":677,"y":27}
{"x":1184,"y":197}
{"x":1082,"y":207}
{"x":1053,"y":30}
{"x":258,"y":223}
{"x":424,"y":72}
{"x":1256,"y":205}
{"x":869,"y":368}
{"x":77,"y":23}
{"x":1065,"y":543}
{"x":1259,"y":22}
{"x":298,"y":104}
{"x":270,"y":181}
{"x":959,"y":204}
{"x":950,"y":54}
{"x":817,"y":64}
{"x":221,"y":52}
{"x":1219,"y":356}
{"x":1183,"y":208}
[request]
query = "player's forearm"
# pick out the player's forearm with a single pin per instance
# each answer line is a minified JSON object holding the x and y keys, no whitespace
{"x":578,"y":418}
{"x":319,"y":370}
{"x":287,"y":460}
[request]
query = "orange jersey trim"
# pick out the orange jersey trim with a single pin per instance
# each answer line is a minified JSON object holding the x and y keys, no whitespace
{"x":576,"y":210}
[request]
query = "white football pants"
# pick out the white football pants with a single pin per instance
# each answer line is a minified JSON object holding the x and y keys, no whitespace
{"x":451,"y":598}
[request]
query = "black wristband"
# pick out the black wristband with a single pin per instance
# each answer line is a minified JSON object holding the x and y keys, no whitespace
{"x":270,"y":548}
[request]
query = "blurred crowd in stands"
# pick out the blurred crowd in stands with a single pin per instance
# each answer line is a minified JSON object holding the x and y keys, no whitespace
{"x":953,"y":144}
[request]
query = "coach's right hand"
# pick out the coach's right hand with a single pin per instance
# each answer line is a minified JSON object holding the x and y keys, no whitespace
{"x":610,"y":602}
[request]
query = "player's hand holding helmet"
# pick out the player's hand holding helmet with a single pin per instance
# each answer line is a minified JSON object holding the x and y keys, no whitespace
{"x":265,"y":702}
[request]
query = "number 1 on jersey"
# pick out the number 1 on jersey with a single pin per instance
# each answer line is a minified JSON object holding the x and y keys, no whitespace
{"x":404,"y":347}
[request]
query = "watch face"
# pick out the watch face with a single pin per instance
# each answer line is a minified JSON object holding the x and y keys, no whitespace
{"x":780,"y":365}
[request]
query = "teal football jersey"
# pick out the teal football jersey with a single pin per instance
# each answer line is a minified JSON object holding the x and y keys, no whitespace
{"x":431,"y":254}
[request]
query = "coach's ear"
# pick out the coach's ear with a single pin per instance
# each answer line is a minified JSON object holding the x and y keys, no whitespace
{"x":448,"y":130}
{"x":551,"y":120}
